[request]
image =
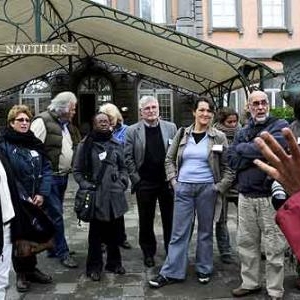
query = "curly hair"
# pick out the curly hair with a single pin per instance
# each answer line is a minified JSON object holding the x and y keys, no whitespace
{"x":224,"y":113}
{"x":16,"y":110}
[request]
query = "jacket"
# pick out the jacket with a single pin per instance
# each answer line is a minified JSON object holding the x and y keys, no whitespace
{"x":34,"y":173}
{"x":110,"y":196}
{"x":135,"y":146}
{"x":223,"y":176}
{"x":53,"y":141}
{"x":251,"y":180}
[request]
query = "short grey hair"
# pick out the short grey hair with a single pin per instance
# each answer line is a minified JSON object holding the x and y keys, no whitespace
{"x":145,"y":100}
{"x":60,"y":103}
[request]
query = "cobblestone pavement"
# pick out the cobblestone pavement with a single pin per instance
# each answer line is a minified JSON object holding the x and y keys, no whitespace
{"x":73,"y":284}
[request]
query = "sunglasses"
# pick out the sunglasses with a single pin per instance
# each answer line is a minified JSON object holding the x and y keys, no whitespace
{"x":22,"y":120}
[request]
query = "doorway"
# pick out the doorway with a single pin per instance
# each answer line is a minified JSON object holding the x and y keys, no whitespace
{"x":86,"y":111}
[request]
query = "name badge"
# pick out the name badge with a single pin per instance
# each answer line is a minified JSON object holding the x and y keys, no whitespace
{"x":170,"y":141}
{"x":34,"y":153}
{"x":102,"y":155}
{"x":217,"y":148}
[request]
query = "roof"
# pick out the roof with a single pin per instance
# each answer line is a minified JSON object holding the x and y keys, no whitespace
{"x":120,"y":39}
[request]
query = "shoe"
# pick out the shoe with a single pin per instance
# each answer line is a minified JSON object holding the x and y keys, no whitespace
{"x":203,"y":278}
{"x":274,"y":298}
{"x":149,"y":261}
{"x":69,"y":262}
{"x":95,"y":276}
{"x":39,"y":277}
{"x":160,"y":281}
{"x":240,"y":292}
{"x":227,"y":259}
{"x":125,"y":245}
{"x":117,"y":270}
{"x":22,"y":284}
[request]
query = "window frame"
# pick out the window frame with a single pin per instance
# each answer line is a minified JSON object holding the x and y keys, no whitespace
{"x":239,"y":20}
{"x":287,"y":19}
{"x":167,"y":9}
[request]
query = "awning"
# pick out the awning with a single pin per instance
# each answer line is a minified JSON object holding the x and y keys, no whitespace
{"x":120,"y":39}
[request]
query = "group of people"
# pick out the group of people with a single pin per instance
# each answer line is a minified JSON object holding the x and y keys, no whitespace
{"x":191,"y":172}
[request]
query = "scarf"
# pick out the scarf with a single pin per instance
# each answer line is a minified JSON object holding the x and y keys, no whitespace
{"x":229,"y":132}
{"x":23,"y":139}
{"x":93,"y":136}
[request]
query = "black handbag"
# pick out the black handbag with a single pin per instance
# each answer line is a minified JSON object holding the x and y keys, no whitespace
{"x":36,"y":225}
{"x":84,"y":204}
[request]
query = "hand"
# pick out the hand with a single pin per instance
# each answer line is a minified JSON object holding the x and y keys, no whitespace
{"x":283,"y":167}
{"x":173,"y":183}
{"x":38,"y":200}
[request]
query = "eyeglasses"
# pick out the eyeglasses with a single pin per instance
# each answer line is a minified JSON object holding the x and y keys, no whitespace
{"x":258,"y":103}
{"x":22,"y":120}
{"x":147,"y":108}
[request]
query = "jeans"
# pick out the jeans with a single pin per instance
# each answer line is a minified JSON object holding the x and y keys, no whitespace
{"x":188,"y":198}
{"x":54,"y":207}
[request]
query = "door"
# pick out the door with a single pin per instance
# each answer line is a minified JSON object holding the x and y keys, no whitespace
{"x":86,"y":111}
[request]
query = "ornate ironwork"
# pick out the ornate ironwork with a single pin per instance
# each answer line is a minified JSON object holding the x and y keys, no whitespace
{"x":60,"y":31}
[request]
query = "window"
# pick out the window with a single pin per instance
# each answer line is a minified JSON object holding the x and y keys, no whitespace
{"x":274,"y":15}
{"x":274,"y":98}
{"x":225,"y":15}
{"x":103,"y":2}
{"x":153,"y":10}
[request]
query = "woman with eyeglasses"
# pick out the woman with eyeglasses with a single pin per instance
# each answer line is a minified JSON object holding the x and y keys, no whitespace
{"x":196,"y":167}
{"x":227,"y":121}
{"x":32,"y":173}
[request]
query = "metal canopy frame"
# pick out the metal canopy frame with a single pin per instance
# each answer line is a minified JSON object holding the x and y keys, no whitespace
{"x":176,"y":60}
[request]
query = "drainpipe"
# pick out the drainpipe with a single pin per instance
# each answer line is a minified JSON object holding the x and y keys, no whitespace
{"x":37,"y":17}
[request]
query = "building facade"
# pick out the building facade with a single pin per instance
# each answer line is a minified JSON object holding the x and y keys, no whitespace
{"x":255,"y":28}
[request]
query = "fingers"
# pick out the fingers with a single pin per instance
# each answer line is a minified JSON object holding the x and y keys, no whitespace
{"x":266,"y":151}
{"x":292,"y":143}
{"x":271,"y":171}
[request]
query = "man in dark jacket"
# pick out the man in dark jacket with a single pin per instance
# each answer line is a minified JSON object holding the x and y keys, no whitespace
{"x":255,"y":210}
{"x":146,"y":145}
{"x":53,"y":127}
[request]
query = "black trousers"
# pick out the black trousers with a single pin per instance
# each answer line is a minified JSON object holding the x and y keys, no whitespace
{"x":24,"y":264}
{"x":147,"y":195}
{"x":103,"y":232}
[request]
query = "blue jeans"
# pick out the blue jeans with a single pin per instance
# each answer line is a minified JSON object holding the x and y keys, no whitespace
{"x":188,"y":198}
{"x":54,"y":207}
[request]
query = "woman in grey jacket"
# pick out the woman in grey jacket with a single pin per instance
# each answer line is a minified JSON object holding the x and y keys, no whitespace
{"x":197,"y":169}
{"x":96,"y":151}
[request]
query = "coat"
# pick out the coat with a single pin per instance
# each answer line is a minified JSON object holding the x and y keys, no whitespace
{"x":135,"y":146}
{"x":110,"y":197}
{"x":223,"y":175}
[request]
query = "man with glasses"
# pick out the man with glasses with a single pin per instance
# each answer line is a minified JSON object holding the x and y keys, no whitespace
{"x":255,"y":210}
{"x":146,"y":145}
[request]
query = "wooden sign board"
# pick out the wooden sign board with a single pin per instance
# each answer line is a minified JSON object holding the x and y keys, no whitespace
{"x":40,"y":49}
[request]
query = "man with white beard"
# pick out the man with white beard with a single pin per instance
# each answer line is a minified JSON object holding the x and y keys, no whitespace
{"x":255,"y":210}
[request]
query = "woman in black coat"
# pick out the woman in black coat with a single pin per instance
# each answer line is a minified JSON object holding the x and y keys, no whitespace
{"x":99,"y":165}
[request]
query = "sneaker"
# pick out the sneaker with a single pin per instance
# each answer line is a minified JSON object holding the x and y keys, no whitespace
{"x":203,"y":278}
{"x":160,"y":281}
{"x":69,"y":262}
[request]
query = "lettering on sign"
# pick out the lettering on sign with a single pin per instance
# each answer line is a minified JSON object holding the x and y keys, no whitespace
{"x":40,"y":49}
